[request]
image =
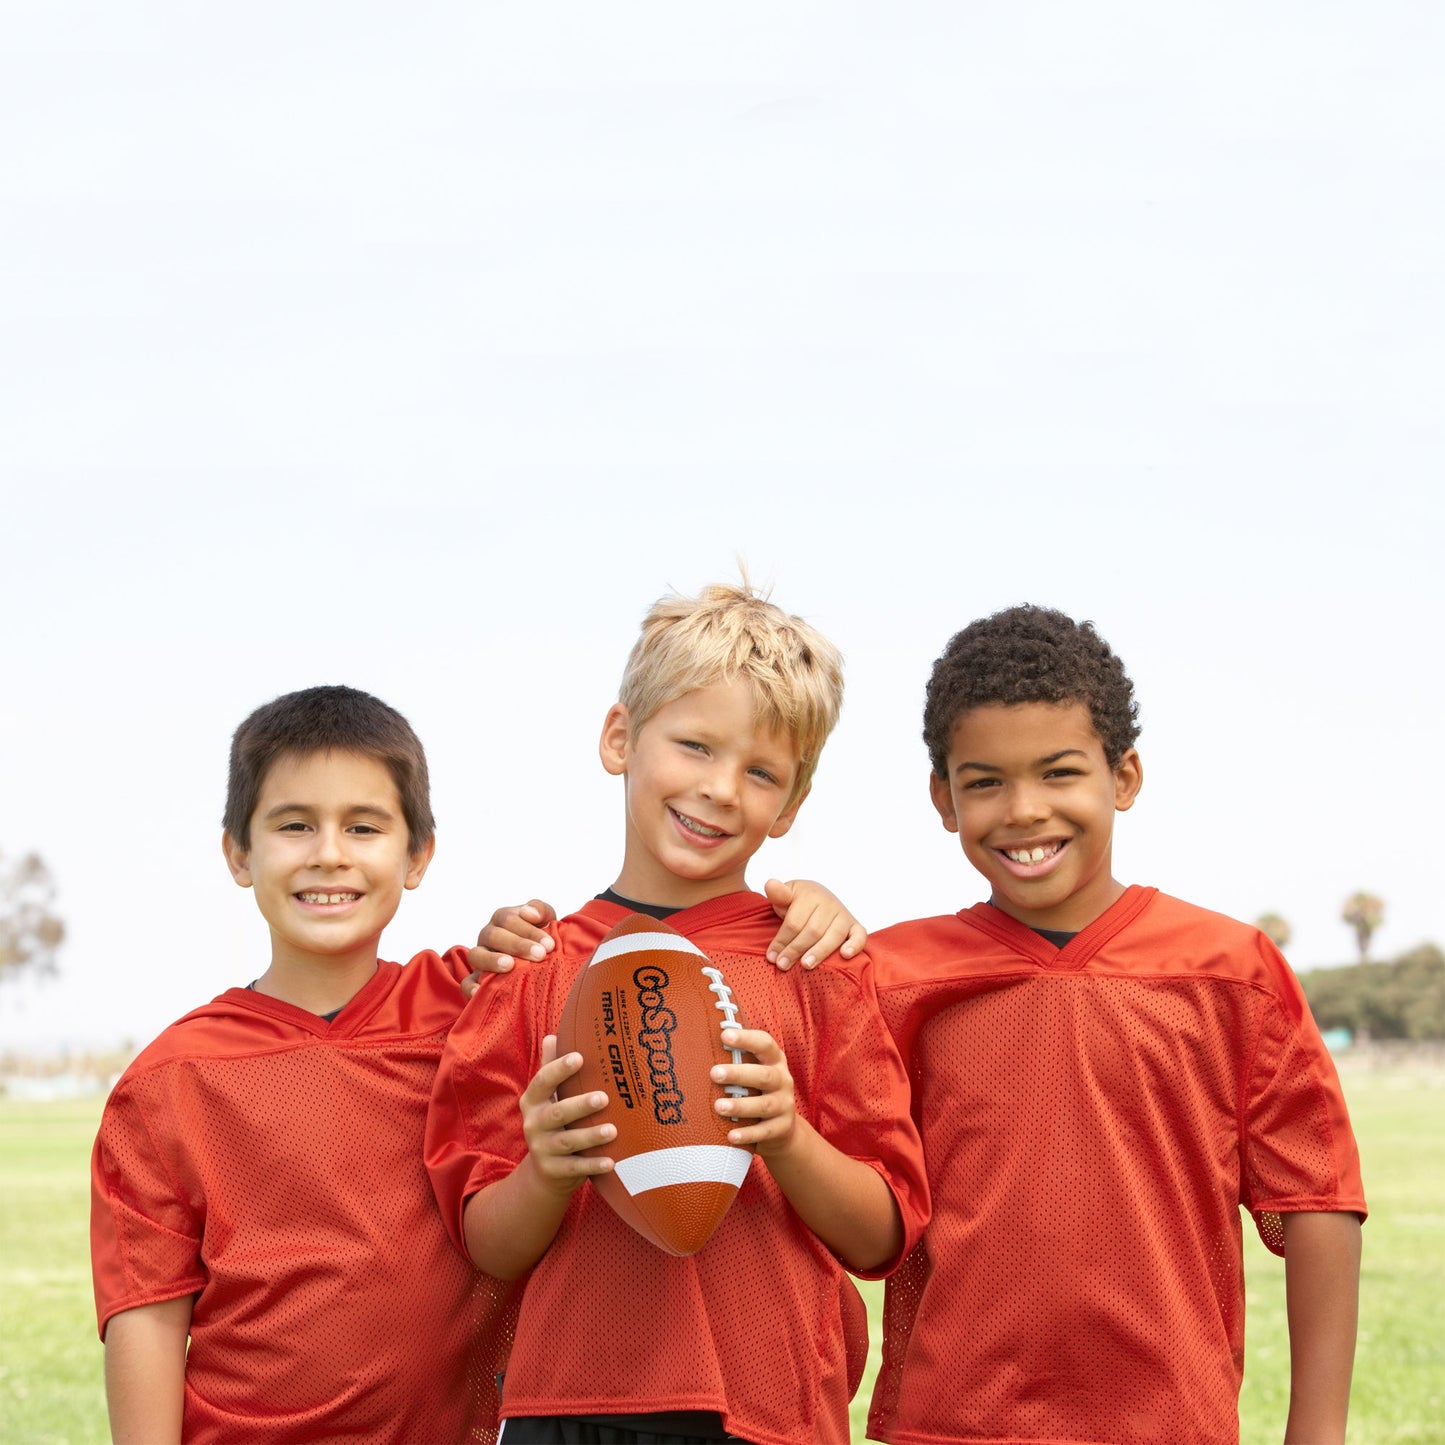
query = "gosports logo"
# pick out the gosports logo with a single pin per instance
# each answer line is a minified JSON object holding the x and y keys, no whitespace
{"x":655,"y":1037}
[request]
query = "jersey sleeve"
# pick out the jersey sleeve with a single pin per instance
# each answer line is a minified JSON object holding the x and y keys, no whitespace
{"x":474,"y":1125}
{"x":145,"y":1235}
{"x":1299,"y":1150}
{"x":862,"y":1101}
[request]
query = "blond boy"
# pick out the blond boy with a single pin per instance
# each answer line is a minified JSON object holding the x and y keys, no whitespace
{"x":725,"y":704}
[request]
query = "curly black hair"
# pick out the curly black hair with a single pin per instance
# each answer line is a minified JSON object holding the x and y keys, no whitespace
{"x":1029,"y":654}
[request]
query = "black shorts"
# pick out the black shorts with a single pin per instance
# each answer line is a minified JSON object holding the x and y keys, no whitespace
{"x":568,"y":1430}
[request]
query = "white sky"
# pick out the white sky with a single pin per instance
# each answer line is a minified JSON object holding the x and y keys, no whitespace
{"x":421,"y":348}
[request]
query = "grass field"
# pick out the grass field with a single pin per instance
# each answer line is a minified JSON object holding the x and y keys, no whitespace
{"x":50,"y":1360}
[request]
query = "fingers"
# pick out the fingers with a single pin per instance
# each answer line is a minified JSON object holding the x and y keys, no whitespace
{"x":803,"y":927}
{"x":843,"y":934}
{"x":552,"y":1073}
{"x":555,"y":1141}
{"x":814,"y":925}
{"x":483,"y":960}
{"x":517,"y":931}
{"x":781,"y":896}
{"x":767,"y":1113}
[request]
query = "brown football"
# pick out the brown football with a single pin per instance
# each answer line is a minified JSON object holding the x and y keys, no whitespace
{"x":647,"y":1015}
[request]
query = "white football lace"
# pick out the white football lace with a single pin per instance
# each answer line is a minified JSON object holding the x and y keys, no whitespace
{"x":729,"y":1011}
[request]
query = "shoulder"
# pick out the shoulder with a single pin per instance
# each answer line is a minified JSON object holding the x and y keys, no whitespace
{"x":214,"y":1030}
{"x":920,"y":948}
{"x":1202,"y":939}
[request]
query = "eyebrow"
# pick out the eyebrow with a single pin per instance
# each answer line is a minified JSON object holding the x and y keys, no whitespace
{"x":358,"y":810}
{"x":1043,"y":762}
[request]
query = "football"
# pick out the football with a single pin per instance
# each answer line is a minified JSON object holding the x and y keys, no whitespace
{"x":647,"y":1014}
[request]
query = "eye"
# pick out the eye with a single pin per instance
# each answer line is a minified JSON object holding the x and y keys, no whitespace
{"x":364,"y":828}
{"x":692,"y":745}
{"x":975,"y":785}
{"x":294,"y":826}
{"x":764,"y":775}
{"x":1064,"y":773}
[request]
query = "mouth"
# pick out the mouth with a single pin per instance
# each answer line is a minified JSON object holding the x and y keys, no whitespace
{"x":700,"y":830}
{"x":346,"y":896}
{"x":1033,"y":859}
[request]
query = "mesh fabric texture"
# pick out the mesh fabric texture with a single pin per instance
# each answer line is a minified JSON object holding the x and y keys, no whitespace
{"x":1094,"y":1118}
{"x":271,"y":1164}
{"x":762,"y":1324}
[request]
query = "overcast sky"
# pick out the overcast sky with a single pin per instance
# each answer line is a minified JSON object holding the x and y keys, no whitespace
{"x":420,"y":348}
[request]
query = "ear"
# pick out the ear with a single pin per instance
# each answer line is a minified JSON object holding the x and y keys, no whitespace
{"x":942,"y":796}
{"x":785,"y":819}
{"x":1128,"y":779}
{"x":616,"y":735}
{"x":238,"y":860}
{"x":420,"y":860}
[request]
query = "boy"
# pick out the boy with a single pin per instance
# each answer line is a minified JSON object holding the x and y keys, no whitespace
{"x":1102,"y":1076}
{"x":724,"y":706}
{"x":257,"y":1180}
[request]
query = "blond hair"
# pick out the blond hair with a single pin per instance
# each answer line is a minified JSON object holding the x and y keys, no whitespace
{"x":729,"y":633}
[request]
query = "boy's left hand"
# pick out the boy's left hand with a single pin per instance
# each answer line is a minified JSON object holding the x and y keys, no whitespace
{"x":815,"y":924}
{"x":765,"y":1118}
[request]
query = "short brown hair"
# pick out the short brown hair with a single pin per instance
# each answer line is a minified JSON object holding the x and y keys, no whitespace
{"x":323,"y":720}
{"x":731,"y":632}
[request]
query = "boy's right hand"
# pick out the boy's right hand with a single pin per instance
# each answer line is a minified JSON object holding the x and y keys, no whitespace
{"x":517,"y":931}
{"x":553,"y":1145}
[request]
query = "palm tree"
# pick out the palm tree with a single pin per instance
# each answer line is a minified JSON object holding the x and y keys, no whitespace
{"x":1274,"y":928}
{"x":1364,"y":913}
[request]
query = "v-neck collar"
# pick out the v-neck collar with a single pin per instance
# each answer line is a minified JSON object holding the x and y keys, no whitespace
{"x":1080,"y":949}
{"x":350,"y":1017}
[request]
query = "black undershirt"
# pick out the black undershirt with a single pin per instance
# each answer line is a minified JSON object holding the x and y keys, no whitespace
{"x":1056,"y":936}
{"x":648,"y":910}
{"x":327,"y":1018}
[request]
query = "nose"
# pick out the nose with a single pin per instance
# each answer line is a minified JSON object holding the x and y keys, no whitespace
{"x":1027,"y":804}
{"x":328,"y":847}
{"x":720,"y":785}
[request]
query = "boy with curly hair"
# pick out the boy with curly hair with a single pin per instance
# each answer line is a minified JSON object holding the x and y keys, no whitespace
{"x":1102,"y":1076}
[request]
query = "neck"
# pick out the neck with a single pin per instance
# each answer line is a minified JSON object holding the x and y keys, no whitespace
{"x":670,"y":891}
{"x":318,"y":985}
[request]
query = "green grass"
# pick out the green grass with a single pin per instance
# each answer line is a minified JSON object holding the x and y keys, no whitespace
{"x":50,"y":1363}
{"x":50,"y":1359}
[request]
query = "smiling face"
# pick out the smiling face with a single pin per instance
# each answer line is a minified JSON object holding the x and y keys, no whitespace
{"x":706,"y":785}
{"x":1032,"y":798}
{"x":328,"y":861}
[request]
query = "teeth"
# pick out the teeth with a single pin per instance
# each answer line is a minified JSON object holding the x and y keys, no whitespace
{"x":693,"y":826}
{"x":1029,"y":855}
{"x":329,"y":897}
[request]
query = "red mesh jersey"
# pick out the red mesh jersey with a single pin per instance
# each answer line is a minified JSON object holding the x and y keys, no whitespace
{"x":762,"y":1324}
{"x":1093,"y":1120}
{"x":271,"y":1164}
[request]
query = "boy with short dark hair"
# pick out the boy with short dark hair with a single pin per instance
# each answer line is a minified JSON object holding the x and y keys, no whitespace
{"x":724,"y":707}
{"x":1102,"y":1077}
{"x":258,"y":1184}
